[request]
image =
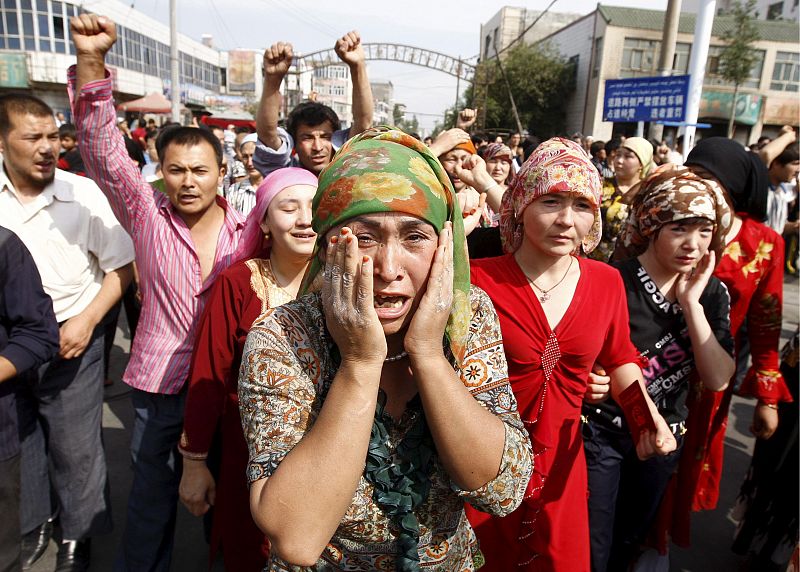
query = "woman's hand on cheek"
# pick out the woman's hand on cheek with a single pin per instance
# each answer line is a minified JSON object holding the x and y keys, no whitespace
{"x":424,"y":334}
{"x":347,"y":300}
{"x":689,"y":287}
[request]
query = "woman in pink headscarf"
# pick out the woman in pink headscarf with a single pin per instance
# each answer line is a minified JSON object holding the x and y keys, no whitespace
{"x":560,"y":314}
{"x":500,"y":166}
{"x":272,"y":257}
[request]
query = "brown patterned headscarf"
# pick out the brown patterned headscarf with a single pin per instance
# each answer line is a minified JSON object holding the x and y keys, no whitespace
{"x":671,"y":195}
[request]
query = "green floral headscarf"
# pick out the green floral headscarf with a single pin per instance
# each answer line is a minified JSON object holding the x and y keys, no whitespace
{"x":386,"y":170}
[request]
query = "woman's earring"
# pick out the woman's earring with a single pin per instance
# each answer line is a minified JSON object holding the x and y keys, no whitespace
{"x":266,"y":235}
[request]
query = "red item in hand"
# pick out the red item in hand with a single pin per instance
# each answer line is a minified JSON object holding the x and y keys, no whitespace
{"x":637,"y":413}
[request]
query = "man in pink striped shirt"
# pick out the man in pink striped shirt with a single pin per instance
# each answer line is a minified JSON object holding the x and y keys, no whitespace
{"x":183,"y":241}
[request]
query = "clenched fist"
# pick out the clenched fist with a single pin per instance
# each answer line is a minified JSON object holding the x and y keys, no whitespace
{"x":277,"y":60}
{"x":349,"y":49}
{"x":92,"y":35}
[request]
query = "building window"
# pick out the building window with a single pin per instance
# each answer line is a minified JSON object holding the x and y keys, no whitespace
{"x":638,"y":58}
{"x":680,"y":62}
{"x":43,"y":25}
{"x":573,"y":64}
{"x":713,"y":76}
{"x":786,"y":73}
{"x":775,"y":11}
{"x":598,"y":56}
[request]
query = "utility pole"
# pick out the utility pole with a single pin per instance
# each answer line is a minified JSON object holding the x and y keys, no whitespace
{"x":174,"y":62}
{"x":697,"y":70}
{"x":458,"y":93}
{"x":508,"y":87}
{"x":671,"y":20}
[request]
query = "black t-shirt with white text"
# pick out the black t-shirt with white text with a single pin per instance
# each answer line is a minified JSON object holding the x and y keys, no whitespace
{"x":659,"y":332}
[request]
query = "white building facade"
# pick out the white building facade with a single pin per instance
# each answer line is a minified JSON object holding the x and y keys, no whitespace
{"x":765,"y":9}
{"x":35,"y":52}
{"x":614,"y":42}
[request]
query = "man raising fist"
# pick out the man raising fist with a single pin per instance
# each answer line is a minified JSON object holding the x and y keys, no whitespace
{"x":182,"y":240}
{"x":312,"y":129}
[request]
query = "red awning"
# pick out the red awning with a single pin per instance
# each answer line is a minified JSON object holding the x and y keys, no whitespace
{"x":223,"y":122}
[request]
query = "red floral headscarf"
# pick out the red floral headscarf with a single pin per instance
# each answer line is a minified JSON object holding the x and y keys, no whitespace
{"x":556,"y":166}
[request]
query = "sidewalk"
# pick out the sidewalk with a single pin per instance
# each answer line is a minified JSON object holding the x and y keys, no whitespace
{"x":711,"y":531}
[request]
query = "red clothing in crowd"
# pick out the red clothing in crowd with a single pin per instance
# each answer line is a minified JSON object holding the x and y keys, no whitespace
{"x":549,"y":372}
{"x":238,"y":297}
{"x":752,"y":269}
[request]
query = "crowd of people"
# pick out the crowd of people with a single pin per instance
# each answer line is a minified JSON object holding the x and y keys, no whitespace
{"x":354,"y":349}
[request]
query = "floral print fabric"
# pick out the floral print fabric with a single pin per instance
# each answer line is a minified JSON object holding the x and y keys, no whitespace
{"x":556,"y":166}
{"x":287,"y":369}
{"x":386,"y":170}
{"x":613,"y":214}
{"x":671,"y":195}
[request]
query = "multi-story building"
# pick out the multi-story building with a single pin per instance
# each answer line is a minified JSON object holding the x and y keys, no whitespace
{"x":510,"y":21}
{"x":334,"y":89}
{"x":383,"y":102}
{"x":765,"y":9}
{"x":614,"y":42}
{"x":35,"y":52}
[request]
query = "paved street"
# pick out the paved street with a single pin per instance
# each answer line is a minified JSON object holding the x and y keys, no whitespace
{"x":711,"y":531}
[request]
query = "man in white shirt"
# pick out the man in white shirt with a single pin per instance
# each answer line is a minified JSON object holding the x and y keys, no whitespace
{"x":84,"y":258}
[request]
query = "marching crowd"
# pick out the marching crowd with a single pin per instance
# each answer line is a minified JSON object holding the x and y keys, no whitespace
{"x":356,"y":350}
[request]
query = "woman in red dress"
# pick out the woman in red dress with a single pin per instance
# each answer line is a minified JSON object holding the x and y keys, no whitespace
{"x":559,"y":314}
{"x":272,"y":257}
{"x":752,"y":268}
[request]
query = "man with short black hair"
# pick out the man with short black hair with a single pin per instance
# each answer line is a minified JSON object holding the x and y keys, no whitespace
{"x":598,"y":152}
{"x":313,"y":129}
{"x":183,"y":238}
{"x":70,"y":158}
{"x":84,"y":257}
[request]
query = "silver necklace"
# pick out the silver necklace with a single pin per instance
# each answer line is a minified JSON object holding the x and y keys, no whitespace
{"x":397,"y":357}
{"x":545,"y":296}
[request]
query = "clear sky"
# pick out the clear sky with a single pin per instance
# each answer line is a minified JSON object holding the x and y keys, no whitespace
{"x":451,"y":27}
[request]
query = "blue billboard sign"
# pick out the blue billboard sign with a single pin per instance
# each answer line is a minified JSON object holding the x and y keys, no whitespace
{"x":646,"y":99}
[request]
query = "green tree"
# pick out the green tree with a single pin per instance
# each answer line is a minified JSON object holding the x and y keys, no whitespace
{"x":400,"y":120}
{"x":738,"y":57}
{"x":541,"y":80}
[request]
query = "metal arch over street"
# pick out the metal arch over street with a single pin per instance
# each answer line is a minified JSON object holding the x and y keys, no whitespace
{"x":397,"y":53}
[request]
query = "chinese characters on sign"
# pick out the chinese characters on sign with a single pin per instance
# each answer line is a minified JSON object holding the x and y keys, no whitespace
{"x":646,"y":99}
{"x":13,"y":70}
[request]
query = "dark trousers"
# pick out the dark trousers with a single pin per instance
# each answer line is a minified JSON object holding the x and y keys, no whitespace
{"x":624,"y":494}
{"x":60,"y":422}
{"x":10,"y":537}
{"x":150,"y":524}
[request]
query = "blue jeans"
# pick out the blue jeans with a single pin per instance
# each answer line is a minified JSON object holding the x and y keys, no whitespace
{"x":624,"y":494}
{"x":150,"y":525}
{"x":60,"y":431}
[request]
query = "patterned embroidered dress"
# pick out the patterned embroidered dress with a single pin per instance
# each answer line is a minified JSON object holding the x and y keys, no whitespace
{"x":752,"y":269}
{"x":288,"y":366}
{"x":239,"y":296}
